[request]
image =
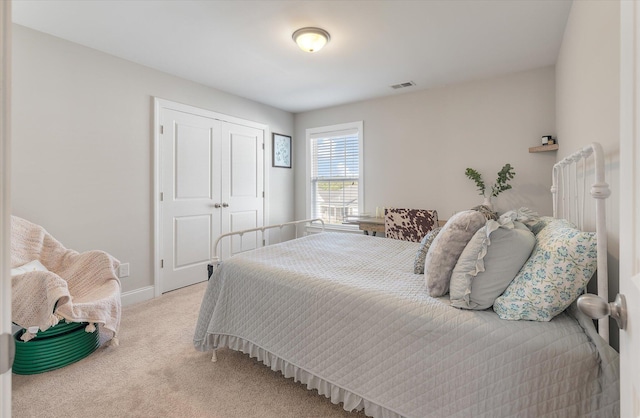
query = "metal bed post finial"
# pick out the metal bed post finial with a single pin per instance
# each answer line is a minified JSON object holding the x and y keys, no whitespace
{"x":600,"y":191}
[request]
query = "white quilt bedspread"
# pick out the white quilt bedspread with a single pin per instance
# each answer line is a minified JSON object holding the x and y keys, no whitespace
{"x":345,"y":314}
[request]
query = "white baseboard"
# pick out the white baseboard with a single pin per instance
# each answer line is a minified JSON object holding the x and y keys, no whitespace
{"x":138,"y":295}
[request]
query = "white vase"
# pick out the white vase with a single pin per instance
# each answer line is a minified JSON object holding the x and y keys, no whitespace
{"x":487,"y":202}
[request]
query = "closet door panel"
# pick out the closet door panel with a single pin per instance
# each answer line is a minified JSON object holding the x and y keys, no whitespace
{"x":190,"y":184}
{"x":242,"y":184}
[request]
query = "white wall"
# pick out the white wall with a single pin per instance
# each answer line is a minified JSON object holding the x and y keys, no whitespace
{"x":418,"y":145}
{"x":588,"y":102}
{"x":83,"y":146}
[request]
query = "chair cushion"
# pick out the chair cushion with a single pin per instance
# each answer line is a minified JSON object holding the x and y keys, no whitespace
{"x":409,"y":224}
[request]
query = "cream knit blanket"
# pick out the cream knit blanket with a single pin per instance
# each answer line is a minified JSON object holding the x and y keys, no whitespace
{"x":79,"y":287}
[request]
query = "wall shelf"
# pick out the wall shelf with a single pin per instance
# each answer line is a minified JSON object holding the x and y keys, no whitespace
{"x":544,"y":148}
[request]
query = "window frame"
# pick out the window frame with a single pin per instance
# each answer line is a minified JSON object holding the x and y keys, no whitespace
{"x":328,"y":131}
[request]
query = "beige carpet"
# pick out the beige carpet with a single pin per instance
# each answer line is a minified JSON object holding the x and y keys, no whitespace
{"x":156,"y":372}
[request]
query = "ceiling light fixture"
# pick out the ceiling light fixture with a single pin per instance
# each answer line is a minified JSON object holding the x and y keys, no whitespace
{"x":311,"y":39}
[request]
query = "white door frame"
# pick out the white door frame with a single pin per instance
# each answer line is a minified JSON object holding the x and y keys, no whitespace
{"x":159,"y":104}
{"x":5,"y":194}
{"x":629,"y":205}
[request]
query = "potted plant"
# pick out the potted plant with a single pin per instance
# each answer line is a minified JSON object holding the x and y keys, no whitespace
{"x":505,"y":175}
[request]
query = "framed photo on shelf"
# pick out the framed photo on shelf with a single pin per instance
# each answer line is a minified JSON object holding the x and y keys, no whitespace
{"x":281,"y":150}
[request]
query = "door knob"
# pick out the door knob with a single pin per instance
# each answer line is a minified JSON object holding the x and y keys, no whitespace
{"x":595,"y":307}
{"x":225,"y":205}
{"x":216,"y":205}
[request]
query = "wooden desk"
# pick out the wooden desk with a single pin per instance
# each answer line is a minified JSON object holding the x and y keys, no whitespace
{"x":374,"y":225}
{"x":367,"y":223}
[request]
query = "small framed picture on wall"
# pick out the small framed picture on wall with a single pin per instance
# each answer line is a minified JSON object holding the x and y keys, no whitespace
{"x":281,"y":150}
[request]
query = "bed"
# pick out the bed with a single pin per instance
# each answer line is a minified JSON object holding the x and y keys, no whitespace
{"x":346,"y":314}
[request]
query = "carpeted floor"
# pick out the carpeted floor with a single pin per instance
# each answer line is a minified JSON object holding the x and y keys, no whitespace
{"x":156,"y":372}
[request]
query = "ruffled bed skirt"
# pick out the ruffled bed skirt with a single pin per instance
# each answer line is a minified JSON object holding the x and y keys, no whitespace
{"x":337,"y":394}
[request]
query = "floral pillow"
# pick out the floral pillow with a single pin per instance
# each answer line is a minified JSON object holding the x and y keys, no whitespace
{"x":561,"y":264}
{"x":418,"y":263}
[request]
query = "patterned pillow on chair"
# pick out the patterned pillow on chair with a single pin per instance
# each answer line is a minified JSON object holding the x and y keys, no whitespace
{"x":409,"y":224}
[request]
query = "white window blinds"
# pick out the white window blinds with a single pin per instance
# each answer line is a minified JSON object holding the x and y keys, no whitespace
{"x":335,"y":175}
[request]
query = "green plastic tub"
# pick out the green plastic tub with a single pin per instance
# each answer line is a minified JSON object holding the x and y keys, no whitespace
{"x":54,"y":348}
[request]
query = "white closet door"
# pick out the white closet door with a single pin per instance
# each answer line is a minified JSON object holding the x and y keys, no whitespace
{"x":242,"y":184}
{"x":190,"y":178}
{"x":211,"y":179}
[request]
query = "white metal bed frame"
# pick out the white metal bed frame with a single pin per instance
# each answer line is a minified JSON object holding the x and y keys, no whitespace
{"x":215,"y":258}
{"x":569,"y":189}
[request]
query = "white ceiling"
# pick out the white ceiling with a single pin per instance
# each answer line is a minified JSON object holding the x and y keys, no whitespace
{"x":245,"y":47}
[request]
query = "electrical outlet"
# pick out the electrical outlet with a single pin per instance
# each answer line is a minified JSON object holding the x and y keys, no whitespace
{"x":123,"y":270}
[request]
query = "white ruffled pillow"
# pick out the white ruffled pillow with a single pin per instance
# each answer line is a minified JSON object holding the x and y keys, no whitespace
{"x":489,"y":262}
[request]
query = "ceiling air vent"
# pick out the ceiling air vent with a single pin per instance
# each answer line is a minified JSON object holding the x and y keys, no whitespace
{"x":403,"y":85}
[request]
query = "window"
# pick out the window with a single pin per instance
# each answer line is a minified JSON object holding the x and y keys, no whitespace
{"x":334,"y":172}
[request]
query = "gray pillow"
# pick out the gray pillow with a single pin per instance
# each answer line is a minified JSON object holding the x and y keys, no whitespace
{"x":447,"y":247}
{"x":418,"y":263}
{"x":489,"y":262}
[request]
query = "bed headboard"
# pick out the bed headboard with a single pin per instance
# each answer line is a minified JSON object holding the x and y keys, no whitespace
{"x":569,"y":190}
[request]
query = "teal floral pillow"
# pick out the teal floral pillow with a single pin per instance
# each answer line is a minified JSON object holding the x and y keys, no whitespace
{"x":418,"y":263}
{"x":561,"y":264}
